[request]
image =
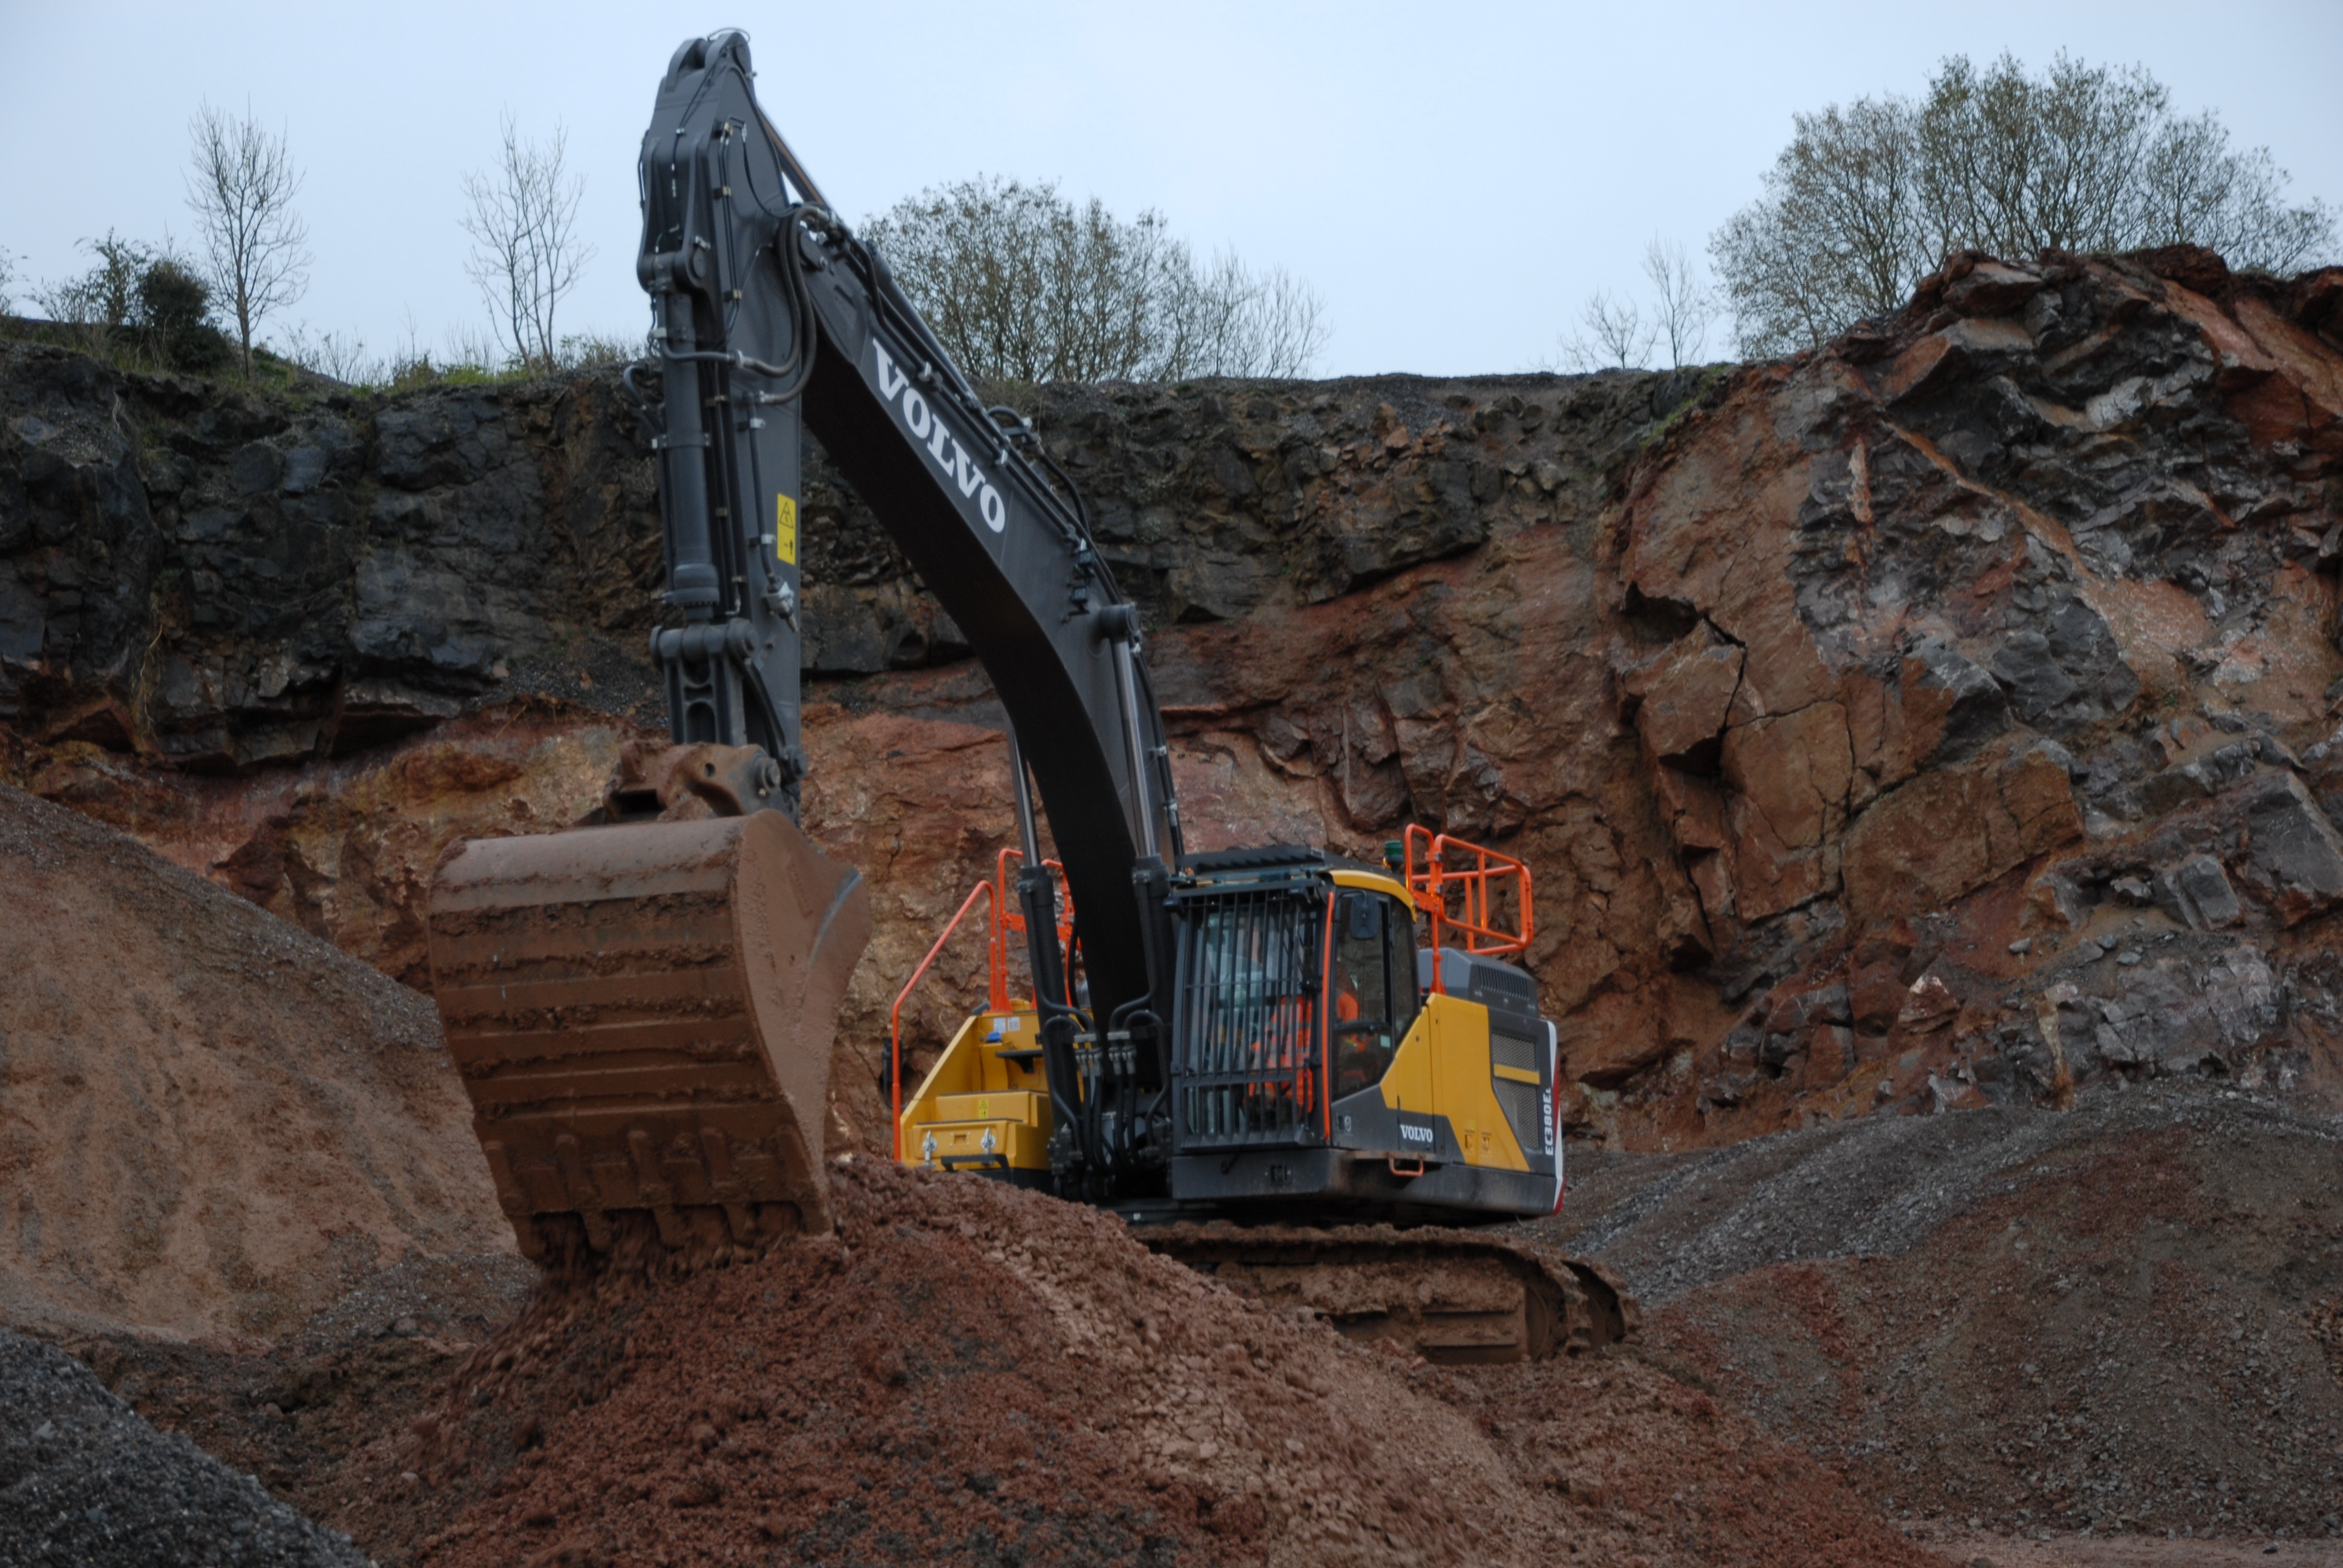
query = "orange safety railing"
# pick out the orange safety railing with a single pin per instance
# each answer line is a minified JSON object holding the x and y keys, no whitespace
{"x":1465,"y":887}
{"x":983,"y":890}
{"x":1007,"y":919}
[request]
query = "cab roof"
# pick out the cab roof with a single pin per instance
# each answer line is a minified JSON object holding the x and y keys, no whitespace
{"x":1276,"y":861}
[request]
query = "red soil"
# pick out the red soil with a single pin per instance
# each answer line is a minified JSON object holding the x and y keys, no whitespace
{"x":967,"y":1372}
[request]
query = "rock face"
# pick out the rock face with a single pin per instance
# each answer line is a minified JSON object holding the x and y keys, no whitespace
{"x":1938,"y":720}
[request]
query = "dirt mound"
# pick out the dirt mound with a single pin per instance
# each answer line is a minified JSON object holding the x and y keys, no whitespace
{"x":2123,"y":1317}
{"x":970,"y":1372}
{"x":84,"y":1481}
{"x":211,"y":1122}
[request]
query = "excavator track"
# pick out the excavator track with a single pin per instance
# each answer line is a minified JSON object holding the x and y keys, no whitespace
{"x":643,"y":1016}
{"x":1461,"y":1298}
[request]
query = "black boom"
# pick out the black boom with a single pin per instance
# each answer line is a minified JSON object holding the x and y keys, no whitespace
{"x":770,"y":312}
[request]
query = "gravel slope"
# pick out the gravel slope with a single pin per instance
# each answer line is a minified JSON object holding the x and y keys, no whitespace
{"x":84,"y":1481}
{"x":2127,"y":1316}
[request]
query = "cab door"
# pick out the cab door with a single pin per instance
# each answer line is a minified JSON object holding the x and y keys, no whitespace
{"x":1370,"y":991}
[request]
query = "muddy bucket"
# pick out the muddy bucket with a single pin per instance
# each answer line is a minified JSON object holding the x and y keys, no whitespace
{"x":643,"y":1017}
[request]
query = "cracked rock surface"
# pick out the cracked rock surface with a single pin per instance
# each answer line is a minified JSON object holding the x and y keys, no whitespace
{"x":1937,"y":720}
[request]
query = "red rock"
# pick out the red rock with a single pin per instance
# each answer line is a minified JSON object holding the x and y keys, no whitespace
{"x":1686,"y":697}
{"x":1759,"y":688}
{"x":1992,"y":288}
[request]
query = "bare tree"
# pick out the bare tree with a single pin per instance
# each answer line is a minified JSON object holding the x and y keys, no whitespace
{"x":7,"y":278}
{"x":337,"y":355}
{"x":241,"y":183}
{"x":1281,"y":327}
{"x":526,"y":254}
{"x":1614,"y":336}
{"x":1024,"y":286}
{"x":1867,"y":200}
{"x":1683,"y":306}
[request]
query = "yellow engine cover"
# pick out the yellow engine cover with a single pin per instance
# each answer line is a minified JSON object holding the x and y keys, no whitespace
{"x":985,"y":1103}
{"x":1443,"y":1067}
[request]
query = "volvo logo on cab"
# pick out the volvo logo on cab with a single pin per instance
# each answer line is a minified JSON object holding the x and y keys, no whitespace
{"x":1410,"y":1133}
{"x":928,"y":429}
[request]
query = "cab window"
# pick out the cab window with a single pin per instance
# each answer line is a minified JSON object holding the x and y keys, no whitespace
{"x":1372,"y":991}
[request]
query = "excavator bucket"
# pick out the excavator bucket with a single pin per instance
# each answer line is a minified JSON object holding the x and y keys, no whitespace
{"x":643,"y":1017}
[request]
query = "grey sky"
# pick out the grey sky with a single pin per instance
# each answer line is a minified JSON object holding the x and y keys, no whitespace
{"x":1453,"y":181}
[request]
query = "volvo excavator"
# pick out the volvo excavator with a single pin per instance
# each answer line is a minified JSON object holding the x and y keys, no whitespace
{"x":1306,"y":1075}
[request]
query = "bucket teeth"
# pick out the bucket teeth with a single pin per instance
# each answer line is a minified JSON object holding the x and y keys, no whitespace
{"x":642,"y":1017}
{"x":657,"y":1195}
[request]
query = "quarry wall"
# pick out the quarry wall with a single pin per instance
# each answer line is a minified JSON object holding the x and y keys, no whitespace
{"x":1938,"y":720}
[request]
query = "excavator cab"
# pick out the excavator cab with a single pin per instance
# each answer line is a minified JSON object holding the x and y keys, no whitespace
{"x":1342,"y":1037}
{"x":1345,"y":1041}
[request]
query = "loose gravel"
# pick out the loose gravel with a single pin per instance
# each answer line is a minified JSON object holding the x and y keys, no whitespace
{"x":84,"y":1480}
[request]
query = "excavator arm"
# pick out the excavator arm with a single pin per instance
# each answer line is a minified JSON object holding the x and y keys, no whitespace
{"x":642,"y":1011}
{"x":777,"y":317}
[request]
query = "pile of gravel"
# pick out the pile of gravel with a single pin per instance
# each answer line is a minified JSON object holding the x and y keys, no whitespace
{"x":1875,"y":1187}
{"x":84,"y":1480}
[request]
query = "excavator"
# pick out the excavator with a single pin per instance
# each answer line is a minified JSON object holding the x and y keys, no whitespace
{"x":1307,"y":1076}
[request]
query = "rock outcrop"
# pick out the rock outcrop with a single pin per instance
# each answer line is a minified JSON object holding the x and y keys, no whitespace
{"x":1936,"y":719}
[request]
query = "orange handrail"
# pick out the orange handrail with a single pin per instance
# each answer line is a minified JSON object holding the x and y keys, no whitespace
{"x":1326,"y":1030}
{"x":983,"y":890}
{"x":1473,"y":876}
{"x":1008,"y":918}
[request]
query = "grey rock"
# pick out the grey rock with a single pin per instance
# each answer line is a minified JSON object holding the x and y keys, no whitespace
{"x":2196,"y":892}
{"x":255,"y":470}
{"x":2063,"y":669}
{"x":1980,"y":710}
{"x":304,"y":467}
{"x":84,"y":1480}
{"x":2174,"y":1015}
{"x":1827,"y":1004}
{"x":2293,"y":852}
{"x":2207,"y":775}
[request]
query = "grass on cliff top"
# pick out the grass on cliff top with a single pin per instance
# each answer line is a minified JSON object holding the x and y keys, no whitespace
{"x":323,"y":367}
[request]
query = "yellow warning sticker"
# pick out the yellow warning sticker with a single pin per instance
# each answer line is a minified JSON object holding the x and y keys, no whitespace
{"x":983,"y":1109}
{"x":784,"y":529}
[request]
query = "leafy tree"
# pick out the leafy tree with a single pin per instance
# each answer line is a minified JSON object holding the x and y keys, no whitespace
{"x":174,"y":310}
{"x":1024,"y":286}
{"x":137,"y":303}
{"x":1868,"y":199}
